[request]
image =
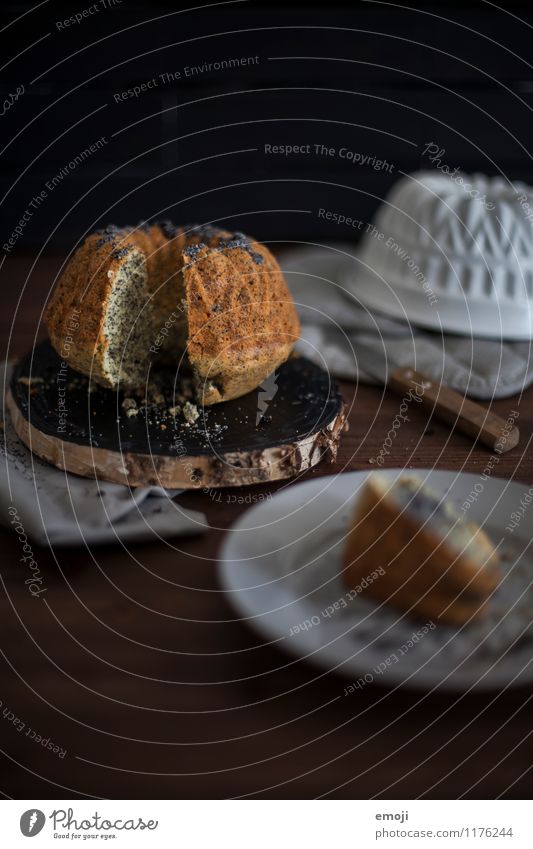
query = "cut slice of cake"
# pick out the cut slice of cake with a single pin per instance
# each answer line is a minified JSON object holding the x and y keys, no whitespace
{"x":106,"y":285}
{"x":436,"y":564}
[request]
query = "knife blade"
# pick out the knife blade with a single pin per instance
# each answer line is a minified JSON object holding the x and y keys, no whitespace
{"x":446,"y":404}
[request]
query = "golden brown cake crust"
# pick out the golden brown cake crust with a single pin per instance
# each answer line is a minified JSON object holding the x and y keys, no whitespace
{"x":423,"y":575}
{"x":241,"y":318}
{"x":224,"y":291}
{"x":83,"y":289}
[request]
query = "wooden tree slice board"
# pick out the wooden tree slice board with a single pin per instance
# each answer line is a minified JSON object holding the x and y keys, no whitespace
{"x":275,"y":432}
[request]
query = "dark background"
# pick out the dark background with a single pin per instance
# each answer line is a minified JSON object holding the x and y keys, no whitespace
{"x":138,"y":665}
{"x":379,"y":80}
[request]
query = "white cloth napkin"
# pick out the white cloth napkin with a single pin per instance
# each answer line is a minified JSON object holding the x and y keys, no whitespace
{"x":332,"y":319}
{"x":56,"y":508}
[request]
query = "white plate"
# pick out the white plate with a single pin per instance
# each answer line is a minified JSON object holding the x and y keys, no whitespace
{"x":280,"y":565}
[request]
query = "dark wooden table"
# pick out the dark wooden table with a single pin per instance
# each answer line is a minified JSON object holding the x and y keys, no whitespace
{"x":142,"y":672}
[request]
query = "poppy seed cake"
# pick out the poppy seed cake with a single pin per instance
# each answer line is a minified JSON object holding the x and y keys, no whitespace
{"x":208,"y":300}
{"x":435,"y":563}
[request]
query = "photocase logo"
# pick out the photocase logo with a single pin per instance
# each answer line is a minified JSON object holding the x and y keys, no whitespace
{"x":266,"y":393}
{"x":32,"y":822}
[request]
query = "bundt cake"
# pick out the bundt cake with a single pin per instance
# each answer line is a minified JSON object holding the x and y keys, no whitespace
{"x":435,"y":563}
{"x":213,"y":302}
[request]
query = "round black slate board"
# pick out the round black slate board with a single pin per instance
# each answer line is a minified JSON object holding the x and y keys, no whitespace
{"x":298,"y":402}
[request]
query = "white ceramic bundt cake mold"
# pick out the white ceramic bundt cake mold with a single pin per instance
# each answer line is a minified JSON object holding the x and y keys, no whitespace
{"x":451,"y":254}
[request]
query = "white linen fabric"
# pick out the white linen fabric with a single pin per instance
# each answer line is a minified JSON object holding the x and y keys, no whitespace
{"x":333,"y":320}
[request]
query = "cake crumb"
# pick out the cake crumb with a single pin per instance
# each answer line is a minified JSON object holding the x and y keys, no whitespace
{"x":129,"y":405}
{"x":29,"y":381}
{"x":190,"y":412}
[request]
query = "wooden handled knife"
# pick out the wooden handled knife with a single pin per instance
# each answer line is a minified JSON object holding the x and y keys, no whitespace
{"x":445,"y":403}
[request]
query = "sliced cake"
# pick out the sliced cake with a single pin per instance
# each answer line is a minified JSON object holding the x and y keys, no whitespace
{"x":436,"y":564}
